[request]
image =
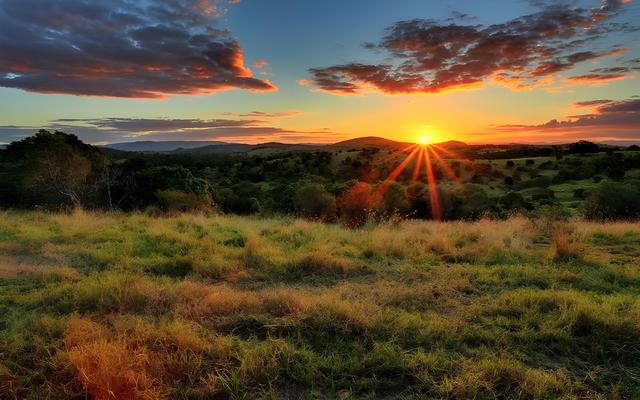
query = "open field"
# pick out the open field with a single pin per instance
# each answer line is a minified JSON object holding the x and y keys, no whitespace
{"x":128,"y":306}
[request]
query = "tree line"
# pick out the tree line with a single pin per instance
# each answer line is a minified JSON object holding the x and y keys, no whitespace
{"x":55,"y":170}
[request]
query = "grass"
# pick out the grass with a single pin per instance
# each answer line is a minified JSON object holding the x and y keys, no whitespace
{"x":128,"y":306}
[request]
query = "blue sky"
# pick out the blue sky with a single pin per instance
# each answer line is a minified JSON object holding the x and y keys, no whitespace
{"x":305,"y":42}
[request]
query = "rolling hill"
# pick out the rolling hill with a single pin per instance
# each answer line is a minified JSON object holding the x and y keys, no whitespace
{"x":160,"y":146}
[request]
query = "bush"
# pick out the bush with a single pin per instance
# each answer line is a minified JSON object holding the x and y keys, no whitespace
{"x":394,"y":200}
{"x":355,"y":205}
{"x":513,"y":201}
{"x":175,"y":200}
{"x":564,"y":248}
{"x":313,"y":201}
{"x":613,"y":200}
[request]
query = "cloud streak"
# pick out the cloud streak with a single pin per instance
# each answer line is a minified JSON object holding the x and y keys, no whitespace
{"x":427,"y":56}
{"x":112,"y":130}
{"x":608,"y":120}
{"x":120,"y":48}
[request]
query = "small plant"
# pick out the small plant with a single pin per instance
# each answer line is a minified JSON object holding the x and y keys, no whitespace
{"x":564,"y":248}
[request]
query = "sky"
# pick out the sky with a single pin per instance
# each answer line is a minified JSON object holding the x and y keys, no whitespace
{"x":255,"y":71}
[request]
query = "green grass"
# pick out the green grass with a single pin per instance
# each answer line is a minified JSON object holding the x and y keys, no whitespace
{"x":128,"y":306}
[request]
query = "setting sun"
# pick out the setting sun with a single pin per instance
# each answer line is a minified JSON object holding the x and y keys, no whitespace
{"x":423,"y":140}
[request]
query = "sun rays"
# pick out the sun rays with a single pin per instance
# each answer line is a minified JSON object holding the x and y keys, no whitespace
{"x":422,"y":155}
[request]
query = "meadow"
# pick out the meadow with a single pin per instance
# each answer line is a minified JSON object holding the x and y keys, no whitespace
{"x":197,"y":306}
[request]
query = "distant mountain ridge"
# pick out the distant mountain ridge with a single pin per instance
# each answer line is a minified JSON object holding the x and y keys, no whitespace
{"x":160,"y":146}
{"x":218,"y":147}
{"x":371,"y":141}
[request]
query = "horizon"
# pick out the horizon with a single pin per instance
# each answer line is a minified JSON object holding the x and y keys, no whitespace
{"x":527,"y":72}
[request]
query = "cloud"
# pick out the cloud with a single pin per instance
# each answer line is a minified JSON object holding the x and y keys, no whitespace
{"x":137,"y":125}
{"x":264,"y":114}
{"x":120,"y":48}
{"x":260,"y":64}
{"x":426,"y":56}
{"x":607,"y":120}
{"x":590,"y":103}
{"x":460,"y":16}
{"x":112,"y":130}
{"x":600,"y":75}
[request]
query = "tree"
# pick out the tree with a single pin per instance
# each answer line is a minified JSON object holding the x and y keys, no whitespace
{"x":53,"y":170}
{"x":355,"y":205}
{"x":419,"y":205}
{"x":173,"y":188}
{"x":513,"y":201}
{"x":393,"y":200}
{"x":312,"y":200}
{"x":472,"y":203}
{"x":508,"y":180}
{"x":242,"y":198}
{"x":583,"y":146}
{"x":613,"y":200}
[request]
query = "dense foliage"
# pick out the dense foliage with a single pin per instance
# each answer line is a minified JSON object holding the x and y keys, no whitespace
{"x":56,"y":170}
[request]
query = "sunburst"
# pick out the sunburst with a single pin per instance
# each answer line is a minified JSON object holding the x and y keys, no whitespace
{"x":421,"y":154}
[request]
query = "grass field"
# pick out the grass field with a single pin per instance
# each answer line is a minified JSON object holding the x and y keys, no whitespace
{"x":126,"y":306}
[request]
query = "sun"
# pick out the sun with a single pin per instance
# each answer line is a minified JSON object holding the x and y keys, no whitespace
{"x":424,"y":140}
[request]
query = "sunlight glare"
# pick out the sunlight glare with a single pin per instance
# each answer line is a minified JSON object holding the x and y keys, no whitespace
{"x":424,"y":140}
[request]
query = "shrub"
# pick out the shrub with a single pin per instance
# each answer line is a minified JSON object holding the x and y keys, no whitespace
{"x":613,"y":200}
{"x":111,"y":370}
{"x":313,"y":201}
{"x":564,"y":249}
{"x":355,"y":205}
{"x":175,"y":200}
{"x":393,"y":200}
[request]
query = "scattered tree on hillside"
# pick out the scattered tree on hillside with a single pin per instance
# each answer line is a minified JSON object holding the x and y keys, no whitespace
{"x":583,"y":147}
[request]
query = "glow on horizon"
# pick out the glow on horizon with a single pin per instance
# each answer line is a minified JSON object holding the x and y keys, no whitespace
{"x":480,"y":113}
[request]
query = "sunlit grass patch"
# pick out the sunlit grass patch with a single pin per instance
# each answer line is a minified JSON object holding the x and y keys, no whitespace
{"x":196,"y":306}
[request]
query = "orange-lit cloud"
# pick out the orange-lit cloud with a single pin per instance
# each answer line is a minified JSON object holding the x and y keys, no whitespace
{"x":259,"y":64}
{"x":120,"y":49}
{"x":608,"y":120}
{"x":430,"y":57}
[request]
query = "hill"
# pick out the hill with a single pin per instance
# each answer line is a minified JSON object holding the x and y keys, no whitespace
{"x":159,"y":146}
{"x":372,"y":141}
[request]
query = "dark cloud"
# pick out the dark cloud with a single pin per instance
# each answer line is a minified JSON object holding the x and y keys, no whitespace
{"x":135,"y":125}
{"x":430,"y":57}
{"x":264,"y":114}
{"x":111,"y":130}
{"x":616,"y":119}
{"x":590,"y":103}
{"x":119,"y":48}
{"x":460,"y":16}
{"x":600,"y":75}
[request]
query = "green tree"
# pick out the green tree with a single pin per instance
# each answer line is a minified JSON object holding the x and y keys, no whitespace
{"x":173,"y":188}
{"x":394,"y":200}
{"x":312,"y":200}
{"x":472,"y":203}
{"x":52,"y":170}
{"x":613,"y":200}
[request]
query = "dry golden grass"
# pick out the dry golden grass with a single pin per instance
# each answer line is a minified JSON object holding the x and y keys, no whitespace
{"x":192,"y":306}
{"x":10,"y":269}
{"x":566,"y":246}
